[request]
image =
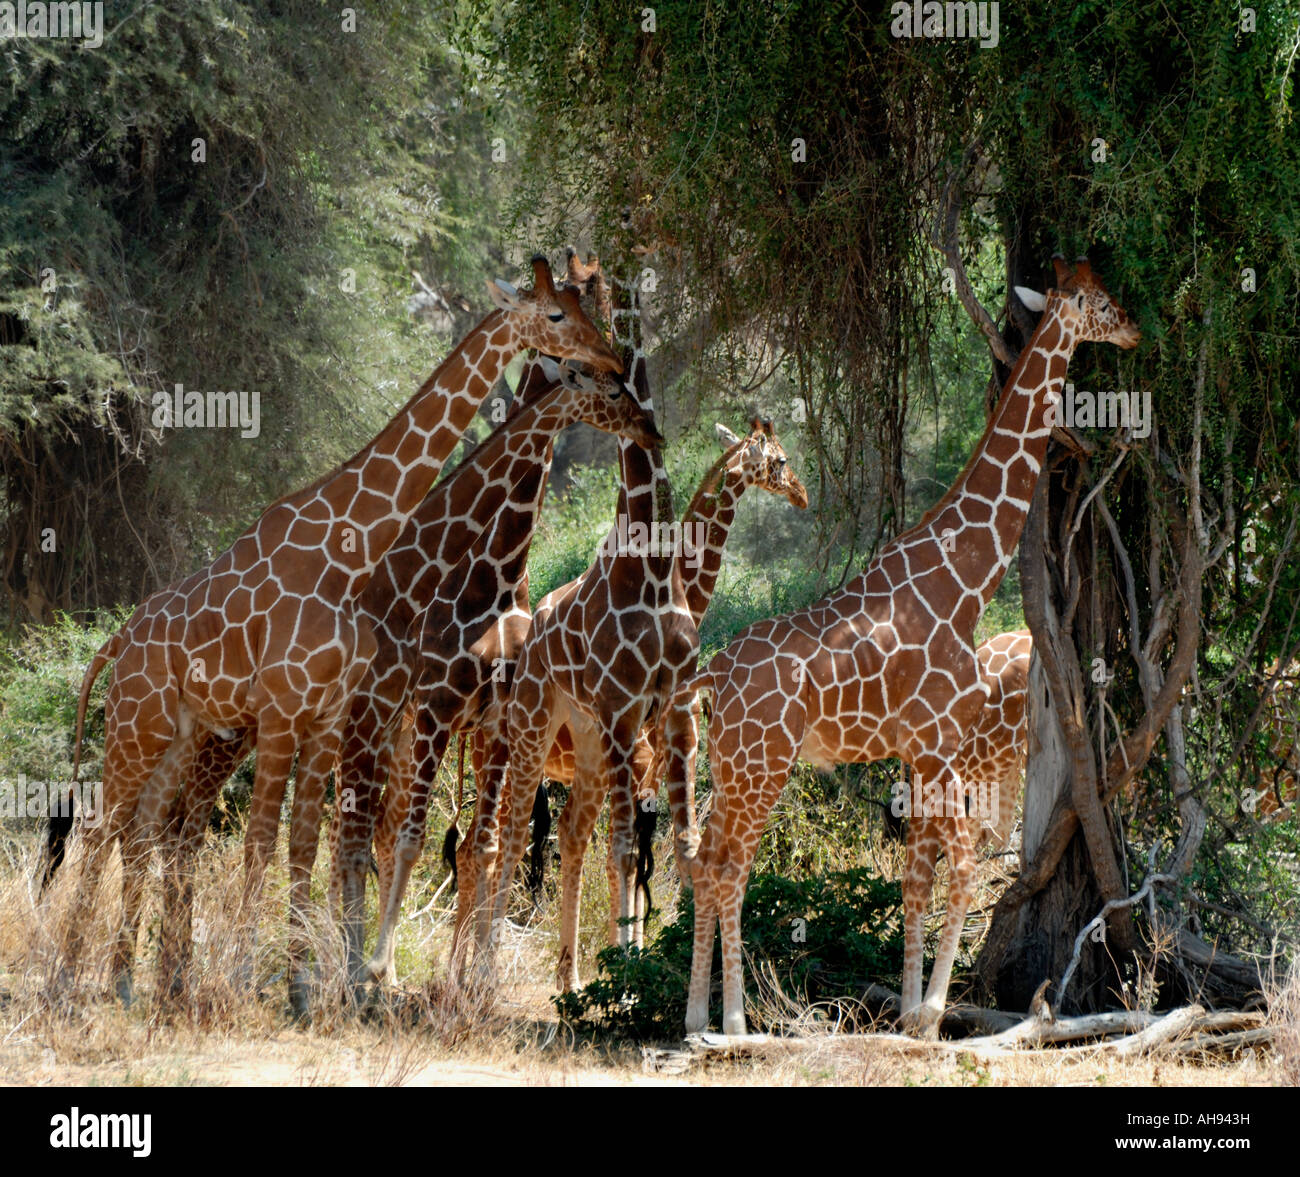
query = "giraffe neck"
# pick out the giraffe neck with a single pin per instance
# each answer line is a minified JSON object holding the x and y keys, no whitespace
{"x":499,"y":485}
{"x":713,"y":509}
{"x":513,"y":520}
{"x":368,"y":500}
{"x":977,"y":524}
{"x":645,"y":515}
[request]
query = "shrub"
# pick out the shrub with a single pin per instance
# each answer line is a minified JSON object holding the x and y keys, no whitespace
{"x":814,"y":940}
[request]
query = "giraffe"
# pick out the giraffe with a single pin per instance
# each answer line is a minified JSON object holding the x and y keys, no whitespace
{"x":603,"y":655}
{"x":991,"y":759}
{"x":1274,"y":800}
{"x":267,"y":637}
{"x":757,"y":460}
{"x":992,"y":756}
{"x":449,"y":523}
{"x":472,"y":630}
{"x":884,"y":666}
{"x":497,"y":482}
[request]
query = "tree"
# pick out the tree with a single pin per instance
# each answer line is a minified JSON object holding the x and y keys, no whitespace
{"x":211,"y":199}
{"x":795,"y":165}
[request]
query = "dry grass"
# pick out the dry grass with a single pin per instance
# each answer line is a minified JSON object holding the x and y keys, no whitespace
{"x":227,"y":1033}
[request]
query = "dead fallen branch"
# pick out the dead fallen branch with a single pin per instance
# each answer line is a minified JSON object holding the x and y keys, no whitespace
{"x":1186,"y":1031}
{"x":959,"y":1021}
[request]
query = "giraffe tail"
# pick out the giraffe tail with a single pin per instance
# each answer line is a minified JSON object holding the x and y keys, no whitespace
{"x":697,"y":688}
{"x":452,"y":836}
{"x":644,"y":825}
{"x":541,"y":831}
{"x":61,"y":817}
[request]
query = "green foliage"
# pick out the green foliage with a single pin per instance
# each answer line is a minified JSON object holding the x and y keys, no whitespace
{"x":40,"y":677}
{"x":817,"y":940}
{"x":128,"y":264}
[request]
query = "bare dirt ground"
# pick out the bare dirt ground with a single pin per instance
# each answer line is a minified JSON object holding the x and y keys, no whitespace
{"x":225,"y":1036}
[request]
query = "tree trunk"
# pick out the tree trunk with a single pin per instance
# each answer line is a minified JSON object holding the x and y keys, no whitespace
{"x":1045,"y":927}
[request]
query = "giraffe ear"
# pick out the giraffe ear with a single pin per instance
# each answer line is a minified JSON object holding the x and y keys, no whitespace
{"x":504,"y":296}
{"x":1031,"y":298}
{"x":726,"y":438}
{"x":550,"y":369}
{"x":572,"y":377}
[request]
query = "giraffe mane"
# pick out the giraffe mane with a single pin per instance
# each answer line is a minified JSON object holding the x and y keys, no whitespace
{"x":951,"y":494}
{"x":516,"y":411}
{"x":709,"y":483}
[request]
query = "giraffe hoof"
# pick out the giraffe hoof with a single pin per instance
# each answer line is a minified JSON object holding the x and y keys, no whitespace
{"x":733,"y":1025}
{"x":921,"y":1022}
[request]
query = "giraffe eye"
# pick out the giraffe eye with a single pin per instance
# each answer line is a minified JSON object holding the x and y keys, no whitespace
{"x":1079,"y":302}
{"x":556,"y":316}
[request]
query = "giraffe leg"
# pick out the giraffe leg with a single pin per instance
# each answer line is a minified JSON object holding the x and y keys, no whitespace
{"x":491,"y":771}
{"x":135,"y":865}
{"x":644,"y":818}
{"x":619,"y":767}
{"x":275,"y":752}
{"x":680,"y":742}
{"x":362,"y":770}
{"x":939,"y":798}
{"x":730,"y":880}
{"x":923,"y":844}
{"x":746,"y":784}
{"x":706,"y":925}
{"x":576,"y":825}
{"x":409,"y":785}
{"x":533,"y":717}
{"x":214,"y":762}
{"x":724,"y":876}
{"x":620,"y":865}
{"x":466,"y":880}
{"x":319,"y":756}
{"x":141,"y":834}
{"x":961,"y":889}
{"x":127,"y":768}
{"x":391,"y":808}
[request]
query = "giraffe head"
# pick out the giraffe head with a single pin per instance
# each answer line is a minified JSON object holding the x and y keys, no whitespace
{"x":552,"y":320}
{"x":763,"y":461}
{"x":1084,"y":305}
{"x":590,"y":280}
{"x":603,"y":401}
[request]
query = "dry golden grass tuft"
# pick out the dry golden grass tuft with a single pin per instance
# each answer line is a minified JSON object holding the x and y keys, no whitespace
{"x":1284,"y":1018}
{"x":226,"y":1032}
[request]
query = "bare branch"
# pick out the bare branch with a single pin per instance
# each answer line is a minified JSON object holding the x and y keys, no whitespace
{"x":945,"y":239}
